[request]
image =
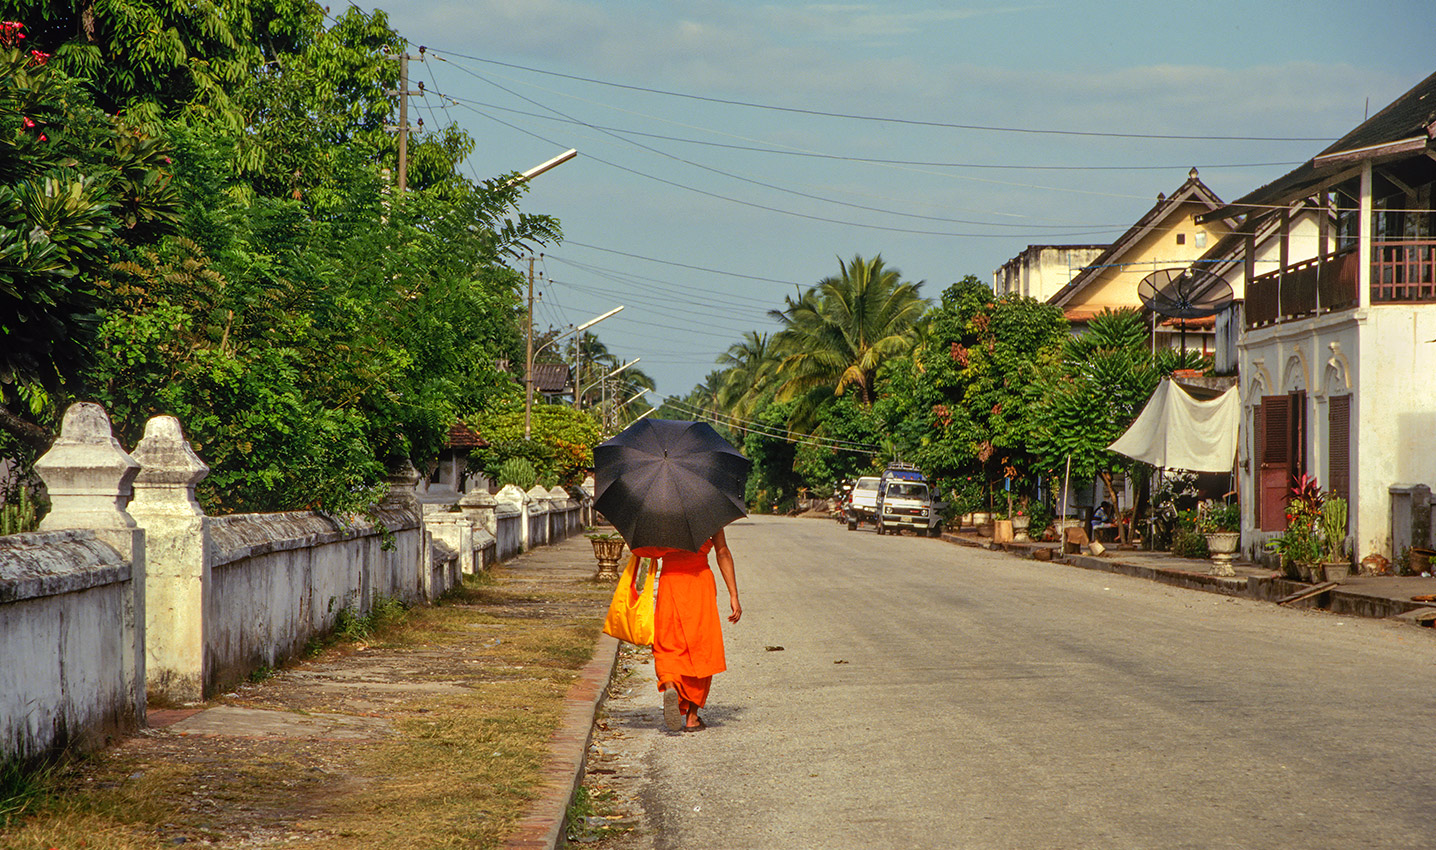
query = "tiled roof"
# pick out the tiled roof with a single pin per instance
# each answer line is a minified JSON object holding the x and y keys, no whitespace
{"x":1192,"y":190}
{"x":462,"y":436}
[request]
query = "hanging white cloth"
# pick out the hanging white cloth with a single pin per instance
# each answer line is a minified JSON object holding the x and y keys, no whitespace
{"x":1176,"y":431}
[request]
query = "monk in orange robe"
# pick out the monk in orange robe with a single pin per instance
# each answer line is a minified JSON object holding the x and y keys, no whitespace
{"x":687,"y":635}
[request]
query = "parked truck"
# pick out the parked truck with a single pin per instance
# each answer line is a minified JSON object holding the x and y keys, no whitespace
{"x":904,"y":501}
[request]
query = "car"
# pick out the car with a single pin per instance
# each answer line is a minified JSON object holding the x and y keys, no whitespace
{"x":904,"y":500}
{"x":863,"y":502}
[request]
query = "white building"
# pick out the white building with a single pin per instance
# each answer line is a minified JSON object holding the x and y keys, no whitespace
{"x":1041,"y":270}
{"x":1338,"y":350}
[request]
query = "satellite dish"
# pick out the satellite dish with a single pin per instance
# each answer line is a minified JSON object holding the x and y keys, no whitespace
{"x":1184,"y":294}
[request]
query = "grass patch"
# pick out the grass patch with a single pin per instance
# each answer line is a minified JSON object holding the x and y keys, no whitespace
{"x":591,"y":817}
{"x":474,"y":693}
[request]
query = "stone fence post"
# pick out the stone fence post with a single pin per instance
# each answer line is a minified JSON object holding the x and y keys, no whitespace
{"x":403,"y":480}
{"x":511,"y":495}
{"x":177,"y":556}
{"x":89,"y":477}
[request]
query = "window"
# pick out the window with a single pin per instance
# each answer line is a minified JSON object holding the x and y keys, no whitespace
{"x":1181,"y":238}
{"x":1338,"y":441}
{"x":1281,"y":431}
{"x":1200,"y":239}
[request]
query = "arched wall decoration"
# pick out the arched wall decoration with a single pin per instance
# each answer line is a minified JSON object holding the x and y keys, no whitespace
{"x":1261,"y":379}
{"x":1337,"y":375}
{"x":1296,"y":375}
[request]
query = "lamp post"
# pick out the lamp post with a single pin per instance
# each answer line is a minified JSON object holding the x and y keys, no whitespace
{"x":532,"y":352}
{"x":529,"y":346}
{"x":605,"y":378}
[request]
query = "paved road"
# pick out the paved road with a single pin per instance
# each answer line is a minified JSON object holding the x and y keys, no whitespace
{"x":930,"y":695}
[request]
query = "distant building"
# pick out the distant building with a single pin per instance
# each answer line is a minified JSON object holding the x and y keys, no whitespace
{"x":1168,"y":236}
{"x":1041,"y":270}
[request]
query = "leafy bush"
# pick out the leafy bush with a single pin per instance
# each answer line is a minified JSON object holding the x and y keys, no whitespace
{"x":1217,"y":517}
{"x":1189,"y":544}
{"x":518,"y":472}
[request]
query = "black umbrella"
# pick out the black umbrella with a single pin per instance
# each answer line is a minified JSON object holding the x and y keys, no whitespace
{"x":666,"y":482}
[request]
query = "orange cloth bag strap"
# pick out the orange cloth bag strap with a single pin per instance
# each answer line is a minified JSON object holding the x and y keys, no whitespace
{"x":630,"y":614}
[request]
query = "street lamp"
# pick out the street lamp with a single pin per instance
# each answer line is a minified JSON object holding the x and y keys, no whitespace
{"x":529,"y":348}
{"x":529,"y":360}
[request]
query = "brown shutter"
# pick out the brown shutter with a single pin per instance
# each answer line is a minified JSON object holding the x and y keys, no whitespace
{"x":1338,"y":441}
{"x":1274,"y":475}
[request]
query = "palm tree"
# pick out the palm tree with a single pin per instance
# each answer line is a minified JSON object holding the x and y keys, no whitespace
{"x":749,"y":369}
{"x":838,"y":333}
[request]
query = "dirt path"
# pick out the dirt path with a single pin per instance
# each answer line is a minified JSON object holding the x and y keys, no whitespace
{"x":433,"y":733}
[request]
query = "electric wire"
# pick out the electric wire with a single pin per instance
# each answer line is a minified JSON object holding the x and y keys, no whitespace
{"x":887,"y":120}
{"x":794,"y":437}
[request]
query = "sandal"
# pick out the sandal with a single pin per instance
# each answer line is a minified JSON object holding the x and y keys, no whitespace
{"x":698,"y":728}
{"x":672,"y":717}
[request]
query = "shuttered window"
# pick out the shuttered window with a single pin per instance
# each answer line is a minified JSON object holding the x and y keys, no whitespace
{"x":1338,"y":442}
{"x":1283,"y":439}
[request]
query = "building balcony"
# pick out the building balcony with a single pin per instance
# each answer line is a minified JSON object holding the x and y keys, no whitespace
{"x":1402,"y":272}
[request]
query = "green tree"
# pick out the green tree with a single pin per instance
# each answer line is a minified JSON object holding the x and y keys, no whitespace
{"x":747,"y":374}
{"x":75,"y":185}
{"x":1107,"y":375}
{"x":561,"y":447}
{"x":836,"y":336}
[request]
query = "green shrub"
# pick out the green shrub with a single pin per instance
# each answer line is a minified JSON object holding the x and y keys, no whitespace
{"x":518,"y":472}
{"x":1189,"y":544}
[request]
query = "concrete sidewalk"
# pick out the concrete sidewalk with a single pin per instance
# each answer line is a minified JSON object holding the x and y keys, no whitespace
{"x":1358,"y":596}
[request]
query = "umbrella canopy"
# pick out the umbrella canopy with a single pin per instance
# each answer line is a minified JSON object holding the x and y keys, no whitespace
{"x":666,"y":482}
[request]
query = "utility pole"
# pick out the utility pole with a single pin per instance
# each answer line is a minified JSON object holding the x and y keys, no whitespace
{"x":402,"y":129}
{"x":529,"y":359}
{"x":403,"y":122}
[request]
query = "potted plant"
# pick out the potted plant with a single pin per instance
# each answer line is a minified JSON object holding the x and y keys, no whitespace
{"x":1334,"y":563}
{"x":1299,"y":546}
{"x":1221,"y":524}
{"x":607,"y":549}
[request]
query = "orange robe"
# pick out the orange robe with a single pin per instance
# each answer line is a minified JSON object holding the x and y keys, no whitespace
{"x":687,"y":635}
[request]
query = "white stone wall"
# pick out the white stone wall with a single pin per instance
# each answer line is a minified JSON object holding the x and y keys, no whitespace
{"x":1382,"y":358}
{"x":101,"y":606}
{"x":63,"y":638}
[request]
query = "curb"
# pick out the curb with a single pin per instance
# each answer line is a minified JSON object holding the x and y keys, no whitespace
{"x":542,"y":827}
{"x":1335,"y":601}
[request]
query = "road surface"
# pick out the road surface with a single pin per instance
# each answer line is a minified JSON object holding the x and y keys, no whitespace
{"x":932,"y":695}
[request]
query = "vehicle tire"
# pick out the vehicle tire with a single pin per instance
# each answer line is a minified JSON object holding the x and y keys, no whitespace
{"x":935,"y":531}
{"x":852,"y":525}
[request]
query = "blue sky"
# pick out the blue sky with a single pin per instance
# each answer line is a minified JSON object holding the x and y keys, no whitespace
{"x":699,"y":214}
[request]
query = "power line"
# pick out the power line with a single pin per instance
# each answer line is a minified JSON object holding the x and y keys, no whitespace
{"x":1069,"y":230}
{"x":793,"y":437}
{"x":810,"y":154}
{"x":887,"y":120}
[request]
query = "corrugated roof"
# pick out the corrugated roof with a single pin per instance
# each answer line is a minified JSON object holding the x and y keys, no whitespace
{"x":1410,"y":117}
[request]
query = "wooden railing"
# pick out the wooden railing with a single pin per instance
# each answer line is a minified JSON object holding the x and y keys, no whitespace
{"x":1403,"y":272}
{"x":1304,"y":289}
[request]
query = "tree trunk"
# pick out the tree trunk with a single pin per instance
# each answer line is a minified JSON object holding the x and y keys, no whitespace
{"x":1106,"y":476}
{"x":35,"y":436}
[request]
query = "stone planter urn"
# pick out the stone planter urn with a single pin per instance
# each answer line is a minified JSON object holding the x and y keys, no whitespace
{"x":1336,"y":571}
{"x":1223,"y":545}
{"x":1020,"y":524}
{"x":607,"y":550}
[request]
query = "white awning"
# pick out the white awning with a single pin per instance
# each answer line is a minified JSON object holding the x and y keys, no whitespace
{"x":1176,"y":431}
